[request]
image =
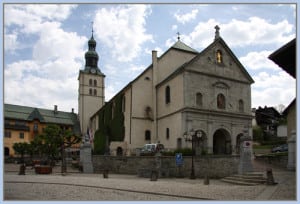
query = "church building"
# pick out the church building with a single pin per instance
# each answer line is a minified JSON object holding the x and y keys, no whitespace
{"x":181,"y":91}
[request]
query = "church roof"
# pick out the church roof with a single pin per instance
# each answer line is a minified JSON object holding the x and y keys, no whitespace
{"x":181,"y":46}
{"x":25,"y":113}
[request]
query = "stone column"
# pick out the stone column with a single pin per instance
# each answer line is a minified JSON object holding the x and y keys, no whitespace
{"x":86,"y":157}
{"x":292,"y":151}
{"x":210,"y":137}
{"x":245,"y":164}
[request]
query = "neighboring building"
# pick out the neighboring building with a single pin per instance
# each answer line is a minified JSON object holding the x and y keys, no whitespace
{"x":282,"y":131}
{"x":183,"y":89}
{"x":23,"y":124}
{"x":268,"y":119}
{"x":285,"y":57}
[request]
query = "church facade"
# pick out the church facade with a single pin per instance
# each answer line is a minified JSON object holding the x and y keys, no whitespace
{"x":183,"y":90}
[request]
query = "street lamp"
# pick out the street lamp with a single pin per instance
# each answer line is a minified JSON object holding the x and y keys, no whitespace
{"x":192,"y":136}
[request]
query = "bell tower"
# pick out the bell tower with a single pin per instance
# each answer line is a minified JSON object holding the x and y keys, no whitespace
{"x":91,"y":87}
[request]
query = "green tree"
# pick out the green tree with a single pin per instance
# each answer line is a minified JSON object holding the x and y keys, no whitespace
{"x":21,"y":148}
{"x":51,"y":142}
{"x":258,"y":134}
{"x":55,"y":141}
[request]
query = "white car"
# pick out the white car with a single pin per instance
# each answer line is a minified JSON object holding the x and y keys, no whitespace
{"x":152,"y":148}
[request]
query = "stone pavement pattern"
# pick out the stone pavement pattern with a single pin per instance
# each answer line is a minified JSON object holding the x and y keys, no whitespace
{"x":78,"y":186}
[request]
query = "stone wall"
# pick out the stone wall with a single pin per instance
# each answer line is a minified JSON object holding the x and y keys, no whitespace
{"x":212,"y":165}
{"x":278,"y":161}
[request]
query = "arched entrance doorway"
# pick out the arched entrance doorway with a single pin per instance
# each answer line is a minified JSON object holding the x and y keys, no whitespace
{"x":6,"y":151}
{"x":222,"y":142}
{"x":238,"y":143}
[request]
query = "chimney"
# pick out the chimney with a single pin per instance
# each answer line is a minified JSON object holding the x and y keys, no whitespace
{"x":154,"y":64}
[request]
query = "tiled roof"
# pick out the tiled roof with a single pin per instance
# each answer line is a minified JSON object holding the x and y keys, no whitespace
{"x":26,"y":113}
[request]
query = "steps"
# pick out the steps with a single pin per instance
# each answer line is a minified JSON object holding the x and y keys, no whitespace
{"x":248,"y":179}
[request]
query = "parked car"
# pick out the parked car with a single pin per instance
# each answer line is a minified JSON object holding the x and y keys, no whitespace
{"x":149,"y":149}
{"x":280,"y":148}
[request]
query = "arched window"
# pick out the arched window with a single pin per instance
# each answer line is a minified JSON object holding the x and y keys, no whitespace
{"x":199,"y":99}
{"x":95,"y":92}
{"x":221,"y":101}
{"x":167,"y":133}
{"x":148,"y":135}
{"x":219,"y":57}
{"x":168,"y":95}
{"x":91,"y":92}
{"x":95,"y":82}
{"x":91,"y":82}
{"x":241,"y":105}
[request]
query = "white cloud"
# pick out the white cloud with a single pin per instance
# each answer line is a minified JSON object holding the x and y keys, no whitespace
{"x":174,"y":27}
{"x":238,"y":33}
{"x":258,"y":60}
{"x":50,"y":77}
{"x":187,"y":17}
{"x":123,"y":30}
{"x":24,"y":14}
{"x":10,"y":42}
{"x":268,"y":87}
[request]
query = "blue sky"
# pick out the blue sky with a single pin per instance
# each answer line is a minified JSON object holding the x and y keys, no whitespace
{"x":44,"y":45}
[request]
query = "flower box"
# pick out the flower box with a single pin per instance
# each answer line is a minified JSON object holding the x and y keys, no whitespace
{"x":40,"y":169}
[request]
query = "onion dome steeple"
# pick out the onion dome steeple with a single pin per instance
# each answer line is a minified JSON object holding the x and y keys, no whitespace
{"x":91,"y":56}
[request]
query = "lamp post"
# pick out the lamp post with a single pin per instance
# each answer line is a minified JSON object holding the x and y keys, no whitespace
{"x":192,"y":136}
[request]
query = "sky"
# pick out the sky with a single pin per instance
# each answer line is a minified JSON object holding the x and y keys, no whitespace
{"x":44,"y":45}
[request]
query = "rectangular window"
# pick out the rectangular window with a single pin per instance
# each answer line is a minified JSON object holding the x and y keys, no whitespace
{"x":7,"y":134}
{"x":21,"y":135}
{"x":7,"y":122}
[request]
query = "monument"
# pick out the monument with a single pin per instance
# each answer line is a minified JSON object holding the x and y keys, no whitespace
{"x":245,"y":164}
{"x":86,"y":156}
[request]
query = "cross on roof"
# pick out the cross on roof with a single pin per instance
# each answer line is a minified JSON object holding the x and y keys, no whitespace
{"x":217,"y":33}
{"x":178,"y":35}
{"x":92,"y":23}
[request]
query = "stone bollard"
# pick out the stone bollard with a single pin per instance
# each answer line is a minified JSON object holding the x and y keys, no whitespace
{"x":153,"y":175}
{"x":22,"y":169}
{"x":105,"y":173}
{"x":206,"y":180}
{"x":270,"y":178}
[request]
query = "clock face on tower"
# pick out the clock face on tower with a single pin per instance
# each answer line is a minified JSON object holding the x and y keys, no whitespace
{"x":93,"y":71}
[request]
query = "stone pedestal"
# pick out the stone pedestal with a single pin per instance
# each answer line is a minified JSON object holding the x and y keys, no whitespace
{"x":292,"y":151}
{"x":86,"y":158}
{"x":245,"y":164}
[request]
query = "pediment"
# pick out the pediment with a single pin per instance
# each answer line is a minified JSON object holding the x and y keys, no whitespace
{"x":218,"y":60}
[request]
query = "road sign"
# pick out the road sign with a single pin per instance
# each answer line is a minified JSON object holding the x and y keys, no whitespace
{"x":178,"y":159}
